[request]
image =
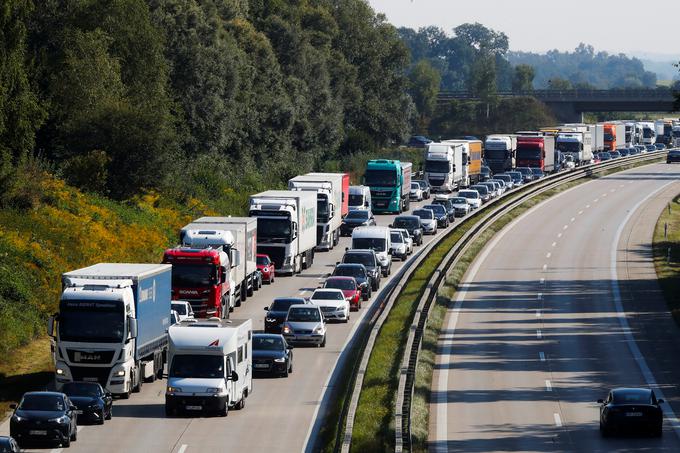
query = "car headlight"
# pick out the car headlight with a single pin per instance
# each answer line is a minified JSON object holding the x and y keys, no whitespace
{"x":61,"y":420}
{"x":213,"y":390}
{"x":280,"y":360}
{"x":287,"y":329}
{"x":119,"y":373}
{"x":17,"y":419}
{"x":172,"y":389}
{"x":318,"y":329}
{"x":270,"y":319}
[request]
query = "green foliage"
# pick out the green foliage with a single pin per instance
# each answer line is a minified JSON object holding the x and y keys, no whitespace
{"x":523,"y":79}
{"x":558,"y":83}
{"x":425,"y":82}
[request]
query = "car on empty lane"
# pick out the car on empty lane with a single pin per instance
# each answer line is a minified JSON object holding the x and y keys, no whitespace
{"x":628,"y":409}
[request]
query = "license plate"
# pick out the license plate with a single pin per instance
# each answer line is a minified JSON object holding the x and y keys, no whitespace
{"x":79,"y":412}
{"x":90,"y":379}
{"x":194,"y":408}
{"x":633,"y":414}
{"x":261,"y":365}
{"x":37,"y":432}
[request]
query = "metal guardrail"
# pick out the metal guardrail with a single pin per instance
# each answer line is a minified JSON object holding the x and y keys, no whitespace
{"x":573,"y":95}
{"x":403,"y":437}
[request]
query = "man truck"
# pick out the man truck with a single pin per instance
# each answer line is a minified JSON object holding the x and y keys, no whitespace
{"x":286,"y":228}
{"x":390,"y":183}
{"x":111,"y":326}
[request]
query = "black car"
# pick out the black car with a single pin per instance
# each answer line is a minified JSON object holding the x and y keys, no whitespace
{"x":632,"y":151}
{"x":517,"y":177}
{"x":360,"y":274}
{"x":44,"y":416}
{"x":527,"y":174}
{"x":93,"y":402}
{"x":418,"y":141}
{"x":370,"y":262}
{"x":673,"y":156}
{"x":615,"y":154}
{"x":641,"y":148}
{"x":440,"y":214}
{"x":448,"y":205}
{"x":277,"y":311}
{"x":410,"y":223}
{"x":660,"y":146}
{"x":356,"y":218}
{"x":650,"y":148}
{"x":628,"y":409}
{"x":425,"y":187}
{"x":8,"y":445}
{"x":605,"y":155}
{"x":272,"y":355}
{"x":485,"y":173}
{"x":625,"y":152}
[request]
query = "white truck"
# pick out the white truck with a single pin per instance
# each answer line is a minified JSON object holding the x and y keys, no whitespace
{"x":499,"y":152}
{"x":648,"y":133}
{"x":576,"y":141}
{"x":675,"y":137}
{"x":444,"y":166}
{"x":241,"y":245}
{"x":286,"y":228}
{"x":209,"y":366}
{"x":328,"y":189}
{"x":111,"y":326}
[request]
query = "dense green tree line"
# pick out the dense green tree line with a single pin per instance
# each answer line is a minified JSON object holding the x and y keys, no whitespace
{"x":197,"y":96}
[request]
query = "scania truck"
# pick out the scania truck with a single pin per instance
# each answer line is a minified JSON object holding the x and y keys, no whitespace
{"x":332,"y":191}
{"x":537,"y":151}
{"x":499,"y":152}
{"x":444,"y":166}
{"x":112,"y":324}
{"x":286,"y":228}
{"x":390,"y":183}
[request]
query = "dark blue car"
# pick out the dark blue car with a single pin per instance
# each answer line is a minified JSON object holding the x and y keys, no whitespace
{"x":418,"y":141}
{"x":272,"y":355}
{"x":45,"y":417}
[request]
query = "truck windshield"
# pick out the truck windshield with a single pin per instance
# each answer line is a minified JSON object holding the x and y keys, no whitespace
{"x":322,"y":211}
{"x":676,"y":134}
{"x":609,"y":137}
{"x":369,"y":243}
{"x":569,"y":147}
{"x":197,"y":366}
{"x":192,"y":275}
{"x":271,"y":230}
{"x":381,"y":178}
{"x":647,"y":133}
{"x":91,"y":321}
{"x":437,"y":166}
{"x":529,"y":153}
{"x":356,"y":200}
{"x":495,"y":154}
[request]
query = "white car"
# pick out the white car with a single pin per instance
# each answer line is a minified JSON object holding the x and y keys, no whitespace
{"x":398,"y":246}
{"x":427,"y":220}
{"x":332,"y":303}
{"x":416,"y":193}
{"x":183,"y":309}
{"x":472,"y":197}
{"x":461,"y":206}
{"x":407,"y":238}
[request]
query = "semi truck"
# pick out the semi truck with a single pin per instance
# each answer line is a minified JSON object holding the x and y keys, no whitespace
{"x":614,"y":136}
{"x":444,"y":166}
{"x":537,"y":151}
{"x":675,"y":137}
{"x":648,"y":133}
{"x":390,"y":183}
{"x":240,"y":244}
{"x":111,"y":325}
{"x":472,"y":160}
{"x":210,"y":366}
{"x":499,"y":152}
{"x":577,"y":143}
{"x":286,"y":228}
{"x":332,"y":191}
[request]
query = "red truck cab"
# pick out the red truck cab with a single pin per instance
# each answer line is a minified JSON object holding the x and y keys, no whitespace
{"x":201,"y":277}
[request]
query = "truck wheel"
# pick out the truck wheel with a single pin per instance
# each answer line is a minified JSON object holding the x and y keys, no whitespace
{"x":138,"y":387}
{"x":244,"y":295}
{"x":242,"y":403}
{"x":249,"y":291}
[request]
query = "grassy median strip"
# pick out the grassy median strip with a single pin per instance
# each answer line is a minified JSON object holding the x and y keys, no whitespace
{"x":667,"y":255}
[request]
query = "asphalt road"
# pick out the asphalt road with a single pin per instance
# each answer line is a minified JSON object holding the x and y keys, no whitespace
{"x":280,"y":413}
{"x":560,"y":307}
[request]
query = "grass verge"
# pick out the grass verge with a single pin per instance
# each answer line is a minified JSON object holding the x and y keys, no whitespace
{"x":668,"y":270}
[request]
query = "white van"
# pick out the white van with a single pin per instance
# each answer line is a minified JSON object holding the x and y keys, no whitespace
{"x":377,"y":238}
{"x":359,"y":198}
{"x":209,"y":366}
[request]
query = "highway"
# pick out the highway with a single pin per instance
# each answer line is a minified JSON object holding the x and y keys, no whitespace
{"x":280,"y":413}
{"x":559,"y":307}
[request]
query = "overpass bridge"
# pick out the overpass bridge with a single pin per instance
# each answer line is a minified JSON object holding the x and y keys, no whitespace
{"x":569,"y":105}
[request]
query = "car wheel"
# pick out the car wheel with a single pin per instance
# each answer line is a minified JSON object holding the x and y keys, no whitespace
{"x":170,"y":412}
{"x":290,"y":366}
{"x":242,"y":403}
{"x":658,"y":431}
{"x":224,"y":411}
{"x":109,"y":414}
{"x":323,"y":343}
{"x":603,"y":430}
{"x":284,"y":373}
{"x":74,"y":435}
{"x":66,"y":443}
{"x":101,"y":417}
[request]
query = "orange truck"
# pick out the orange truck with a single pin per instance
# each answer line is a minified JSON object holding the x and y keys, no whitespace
{"x":614,"y":136}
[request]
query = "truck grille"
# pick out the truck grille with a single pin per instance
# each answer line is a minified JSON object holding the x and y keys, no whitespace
{"x":276,"y":254}
{"x":381,"y":193}
{"x":99,"y":357}
{"x":98,"y":374}
{"x":436,"y":181}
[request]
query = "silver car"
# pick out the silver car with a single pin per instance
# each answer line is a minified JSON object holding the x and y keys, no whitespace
{"x":461,"y":206}
{"x":427,"y":221}
{"x":305,"y":324}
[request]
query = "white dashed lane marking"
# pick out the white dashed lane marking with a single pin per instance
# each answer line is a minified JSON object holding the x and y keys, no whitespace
{"x":558,"y":420}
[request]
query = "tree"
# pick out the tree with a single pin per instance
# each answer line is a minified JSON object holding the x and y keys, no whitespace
{"x":676,"y":92}
{"x":557,"y":83}
{"x":425,"y":82}
{"x":523,"y":79}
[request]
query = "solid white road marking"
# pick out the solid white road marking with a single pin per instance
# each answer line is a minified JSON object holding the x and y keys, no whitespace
{"x":541,"y":355}
{"x":548,"y":385}
{"x":539,"y":334}
{"x":558,"y":420}
{"x":182,"y":449}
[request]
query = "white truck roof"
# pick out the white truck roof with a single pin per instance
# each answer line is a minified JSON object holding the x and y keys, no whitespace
{"x":358,"y":190}
{"x":118,"y":271}
{"x":207,"y":235}
{"x":370,"y":232}
{"x":209,"y":335}
{"x":226,"y":220}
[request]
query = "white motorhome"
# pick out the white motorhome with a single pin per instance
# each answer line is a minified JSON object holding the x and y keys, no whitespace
{"x":209,"y":366}
{"x":444,"y":166}
{"x":376,"y":238}
{"x":359,"y":198}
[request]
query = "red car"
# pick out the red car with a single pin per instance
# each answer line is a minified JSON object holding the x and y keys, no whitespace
{"x":349,"y":288}
{"x":266,"y":268}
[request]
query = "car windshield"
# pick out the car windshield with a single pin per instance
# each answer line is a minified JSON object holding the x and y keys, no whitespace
{"x":181,"y":309}
{"x":284,"y":304}
{"x":369,"y":243}
{"x":349,"y":271}
{"x":263,"y":261}
{"x":516,"y":176}
{"x":436,"y":208}
{"x":327,"y":295}
{"x":483,"y":190}
{"x":273,"y":228}
{"x":459,"y":200}
{"x":468,"y":194}
{"x":192,"y":275}
{"x":303,"y":314}
{"x":537,"y":171}
{"x":197,"y":366}
{"x":261,"y":343}
{"x":396,"y":237}
{"x":81,"y":389}
{"x":359,"y":258}
{"x":525,"y":171}
{"x":415,"y":186}
{"x":356,"y":200}
{"x":34,"y":402}
{"x":379,"y":178}
{"x":632,"y":397}
{"x":506,"y":178}
{"x":424,"y":214}
{"x":340,"y":283}
{"x":422,"y":184}
{"x":437,"y":166}
{"x":357,"y":215}
{"x":91,"y":321}
{"x":406,"y":223}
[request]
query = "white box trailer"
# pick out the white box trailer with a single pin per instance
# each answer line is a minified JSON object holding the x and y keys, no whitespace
{"x":244,"y":232}
{"x":444,"y":166}
{"x":286,"y":228}
{"x":209,"y":366}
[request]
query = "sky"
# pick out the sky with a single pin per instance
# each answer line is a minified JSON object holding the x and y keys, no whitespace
{"x":644,"y":29}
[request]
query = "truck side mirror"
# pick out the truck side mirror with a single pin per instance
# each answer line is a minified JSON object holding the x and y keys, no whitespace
{"x":235,"y":257}
{"x":223,"y":274}
{"x":50,"y":326}
{"x":295,"y":230}
{"x":233,"y":376}
{"x":132,"y":327}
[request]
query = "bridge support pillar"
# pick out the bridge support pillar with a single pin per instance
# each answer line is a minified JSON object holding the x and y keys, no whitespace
{"x":565,"y":112}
